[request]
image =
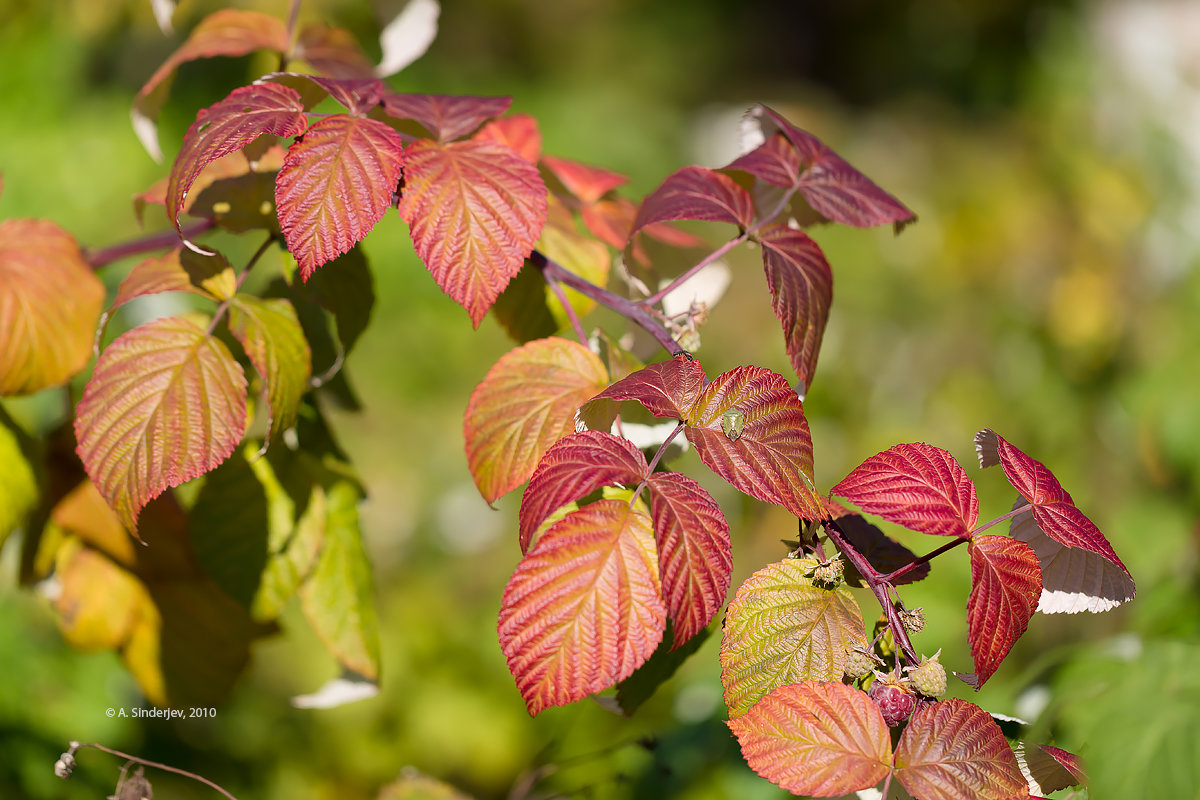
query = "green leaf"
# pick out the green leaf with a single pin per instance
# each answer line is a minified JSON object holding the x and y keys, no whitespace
{"x":781,"y":629}
{"x":18,"y":481}
{"x":50,"y":302}
{"x":166,"y":403}
{"x":338,"y":597}
{"x":270,"y":333}
{"x":257,"y":527}
{"x":345,"y":288}
{"x":658,"y":669}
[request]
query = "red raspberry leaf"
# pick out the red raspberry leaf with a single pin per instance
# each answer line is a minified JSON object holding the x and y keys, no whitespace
{"x":801,"y":286}
{"x":227,"y":126}
{"x":1005,"y":584}
{"x":816,"y":739}
{"x":775,"y":161}
{"x":915,"y":485}
{"x":694,"y":552}
{"x":781,"y":629}
{"x":333,"y":52}
{"x":772,"y":458}
{"x":588,"y":184}
{"x":953,"y":749}
{"x":584,"y":608}
{"x":1048,"y":769}
{"x":576,"y":466}
{"x":1053,"y":509}
{"x":526,"y":403}
{"x":229,"y":32}
{"x":166,"y":403}
{"x":696,"y":193}
{"x":475,"y":210}
{"x":520,"y":132}
{"x":1073,"y":579}
{"x":50,"y":302}
{"x":446,"y":117}
{"x":665,"y":389}
{"x":269,"y":331}
{"x":336,"y":183}
{"x":833,"y":187}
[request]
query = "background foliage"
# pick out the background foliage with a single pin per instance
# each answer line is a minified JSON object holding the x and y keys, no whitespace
{"x":1049,"y":291}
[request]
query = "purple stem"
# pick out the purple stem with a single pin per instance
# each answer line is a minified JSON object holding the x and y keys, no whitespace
{"x":557,"y":288}
{"x":162,"y":240}
{"x":553,"y":271}
{"x":878,"y":585}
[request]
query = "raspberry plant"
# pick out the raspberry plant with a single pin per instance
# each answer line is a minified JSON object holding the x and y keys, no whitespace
{"x":624,"y":560}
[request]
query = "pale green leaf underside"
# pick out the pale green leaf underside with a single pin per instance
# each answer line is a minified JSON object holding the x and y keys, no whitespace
{"x":781,"y":629}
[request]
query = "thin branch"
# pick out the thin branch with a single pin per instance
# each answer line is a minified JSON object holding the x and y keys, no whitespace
{"x":568,"y":309}
{"x":241,"y":278}
{"x":552,"y":270}
{"x":909,"y":567}
{"x":163,"y":240}
{"x":165,"y":767}
{"x":657,"y":297}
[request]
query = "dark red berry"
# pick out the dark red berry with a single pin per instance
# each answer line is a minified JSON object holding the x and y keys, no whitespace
{"x":895,"y":700}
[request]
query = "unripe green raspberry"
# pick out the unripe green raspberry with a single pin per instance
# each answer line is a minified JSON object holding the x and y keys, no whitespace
{"x":829,"y":573}
{"x":859,"y":663}
{"x":913,"y":619}
{"x":929,"y":677}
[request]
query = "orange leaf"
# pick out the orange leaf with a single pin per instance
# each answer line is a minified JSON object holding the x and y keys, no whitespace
{"x":526,"y":403}
{"x":954,"y":749}
{"x":337,"y":181}
{"x":475,"y":210}
{"x":819,"y":739}
{"x":166,"y":404}
{"x":584,"y":609}
{"x":228,"y":32}
{"x":520,"y":132}
{"x":50,"y":303}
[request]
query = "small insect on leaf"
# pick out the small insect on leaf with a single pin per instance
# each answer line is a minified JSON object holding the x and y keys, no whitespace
{"x":732,"y":422}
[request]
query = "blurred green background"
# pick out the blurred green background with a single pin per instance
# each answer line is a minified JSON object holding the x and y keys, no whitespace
{"x":1050,"y":291}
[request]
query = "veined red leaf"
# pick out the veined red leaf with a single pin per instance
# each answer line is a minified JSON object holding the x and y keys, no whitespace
{"x":1073,"y":579}
{"x":228,"y":32}
{"x":666,"y":388}
{"x":336,"y":183}
{"x":270,"y":332}
{"x":771,"y":458}
{"x":833,"y":187}
{"x":584,"y":608}
{"x":694,"y":552}
{"x":50,"y":302}
{"x":520,"y":132}
{"x":165,"y":404}
{"x":358,"y":94}
{"x":576,"y":466}
{"x":475,"y":210}
{"x":589,"y":184}
{"x":816,"y":739}
{"x":333,"y":52}
{"x":801,"y":286}
{"x":774,"y":161}
{"x":953,"y":749}
{"x":884,"y":553}
{"x":246,"y":114}
{"x":167,"y":273}
{"x":1047,"y":769}
{"x":915,"y":485}
{"x":781,"y":629}
{"x":1005,"y":584}
{"x":1053,"y":509}
{"x":696,"y":193}
{"x":447,"y":117}
{"x":526,"y":403}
